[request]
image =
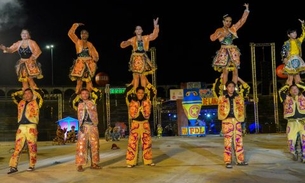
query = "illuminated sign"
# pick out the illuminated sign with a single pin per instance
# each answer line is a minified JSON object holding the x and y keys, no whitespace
{"x":196,"y":130}
{"x":210,"y":101}
{"x":193,"y":130}
{"x":184,"y":131}
{"x":176,"y":94}
{"x":117,"y":90}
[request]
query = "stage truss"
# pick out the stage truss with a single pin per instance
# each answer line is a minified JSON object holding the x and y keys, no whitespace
{"x":254,"y":82}
{"x":107,"y":95}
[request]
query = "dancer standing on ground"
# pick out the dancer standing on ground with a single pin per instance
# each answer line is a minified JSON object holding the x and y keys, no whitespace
{"x":28,"y":118}
{"x":231,"y":111}
{"x":139,"y":110}
{"x":293,"y":99}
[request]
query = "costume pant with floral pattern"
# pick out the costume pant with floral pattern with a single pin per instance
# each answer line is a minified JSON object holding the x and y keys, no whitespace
{"x":88,"y":139}
{"x":26,"y":133}
{"x":139,"y":133}
{"x":295,"y":127}
{"x":232,"y":132}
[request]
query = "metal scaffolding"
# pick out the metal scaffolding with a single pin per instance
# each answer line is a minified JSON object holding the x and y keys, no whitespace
{"x":107,"y":95}
{"x":154,"y":83}
{"x":254,"y":82}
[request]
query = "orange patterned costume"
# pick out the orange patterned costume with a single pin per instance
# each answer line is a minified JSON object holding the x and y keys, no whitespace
{"x":88,"y":135}
{"x":28,"y":119}
{"x":84,"y":67}
{"x":231,"y":126}
{"x":27,"y":66}
{"x":228,"y":55}
{"x":139,"y":61}
{"x":139,"y":113}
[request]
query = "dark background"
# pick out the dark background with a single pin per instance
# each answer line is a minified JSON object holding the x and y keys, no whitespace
{"x":184,"y":50}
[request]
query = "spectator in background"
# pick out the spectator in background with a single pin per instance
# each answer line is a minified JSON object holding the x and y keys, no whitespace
{"x":116,"y":133}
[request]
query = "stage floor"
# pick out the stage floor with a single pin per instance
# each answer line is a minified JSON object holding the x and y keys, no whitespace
{"x":178,"y":159}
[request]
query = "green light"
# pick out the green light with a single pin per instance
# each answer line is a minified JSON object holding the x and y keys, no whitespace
{"x":117,"y":90}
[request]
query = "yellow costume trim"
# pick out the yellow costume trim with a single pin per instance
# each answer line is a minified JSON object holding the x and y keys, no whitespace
{"x":18,"y":95}
{"x":129,"y":92}
{"x":301,"y":86}
{"x":229,"y":67}
{"x":40,"y":98}
{"x":96,"y":95}
{"x":284,"y":89}
{"x":149,"y":72}
{"x":217,"y":91}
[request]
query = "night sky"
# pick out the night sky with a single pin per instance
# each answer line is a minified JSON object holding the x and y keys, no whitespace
{"x":184,"y":50}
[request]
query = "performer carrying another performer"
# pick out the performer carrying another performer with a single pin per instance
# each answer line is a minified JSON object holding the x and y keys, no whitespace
{"x":231,"y":111}
{"x":139,"y":110}
{"x":28,"y":103}
{"x":293,"y":100}
{"x":88,"y":135}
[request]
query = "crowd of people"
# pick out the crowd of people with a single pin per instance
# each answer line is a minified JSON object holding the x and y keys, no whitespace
{"x":63,"y":136}
{"x":115,"y":133}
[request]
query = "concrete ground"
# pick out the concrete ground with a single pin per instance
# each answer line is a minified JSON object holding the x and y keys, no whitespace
{"x":178,"y":159}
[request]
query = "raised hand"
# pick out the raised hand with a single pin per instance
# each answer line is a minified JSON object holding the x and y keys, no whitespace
{"x":156,"y":21}
{"x":302,"y":21}
{"x":247,"y":6}
{"x":2,"y":47}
